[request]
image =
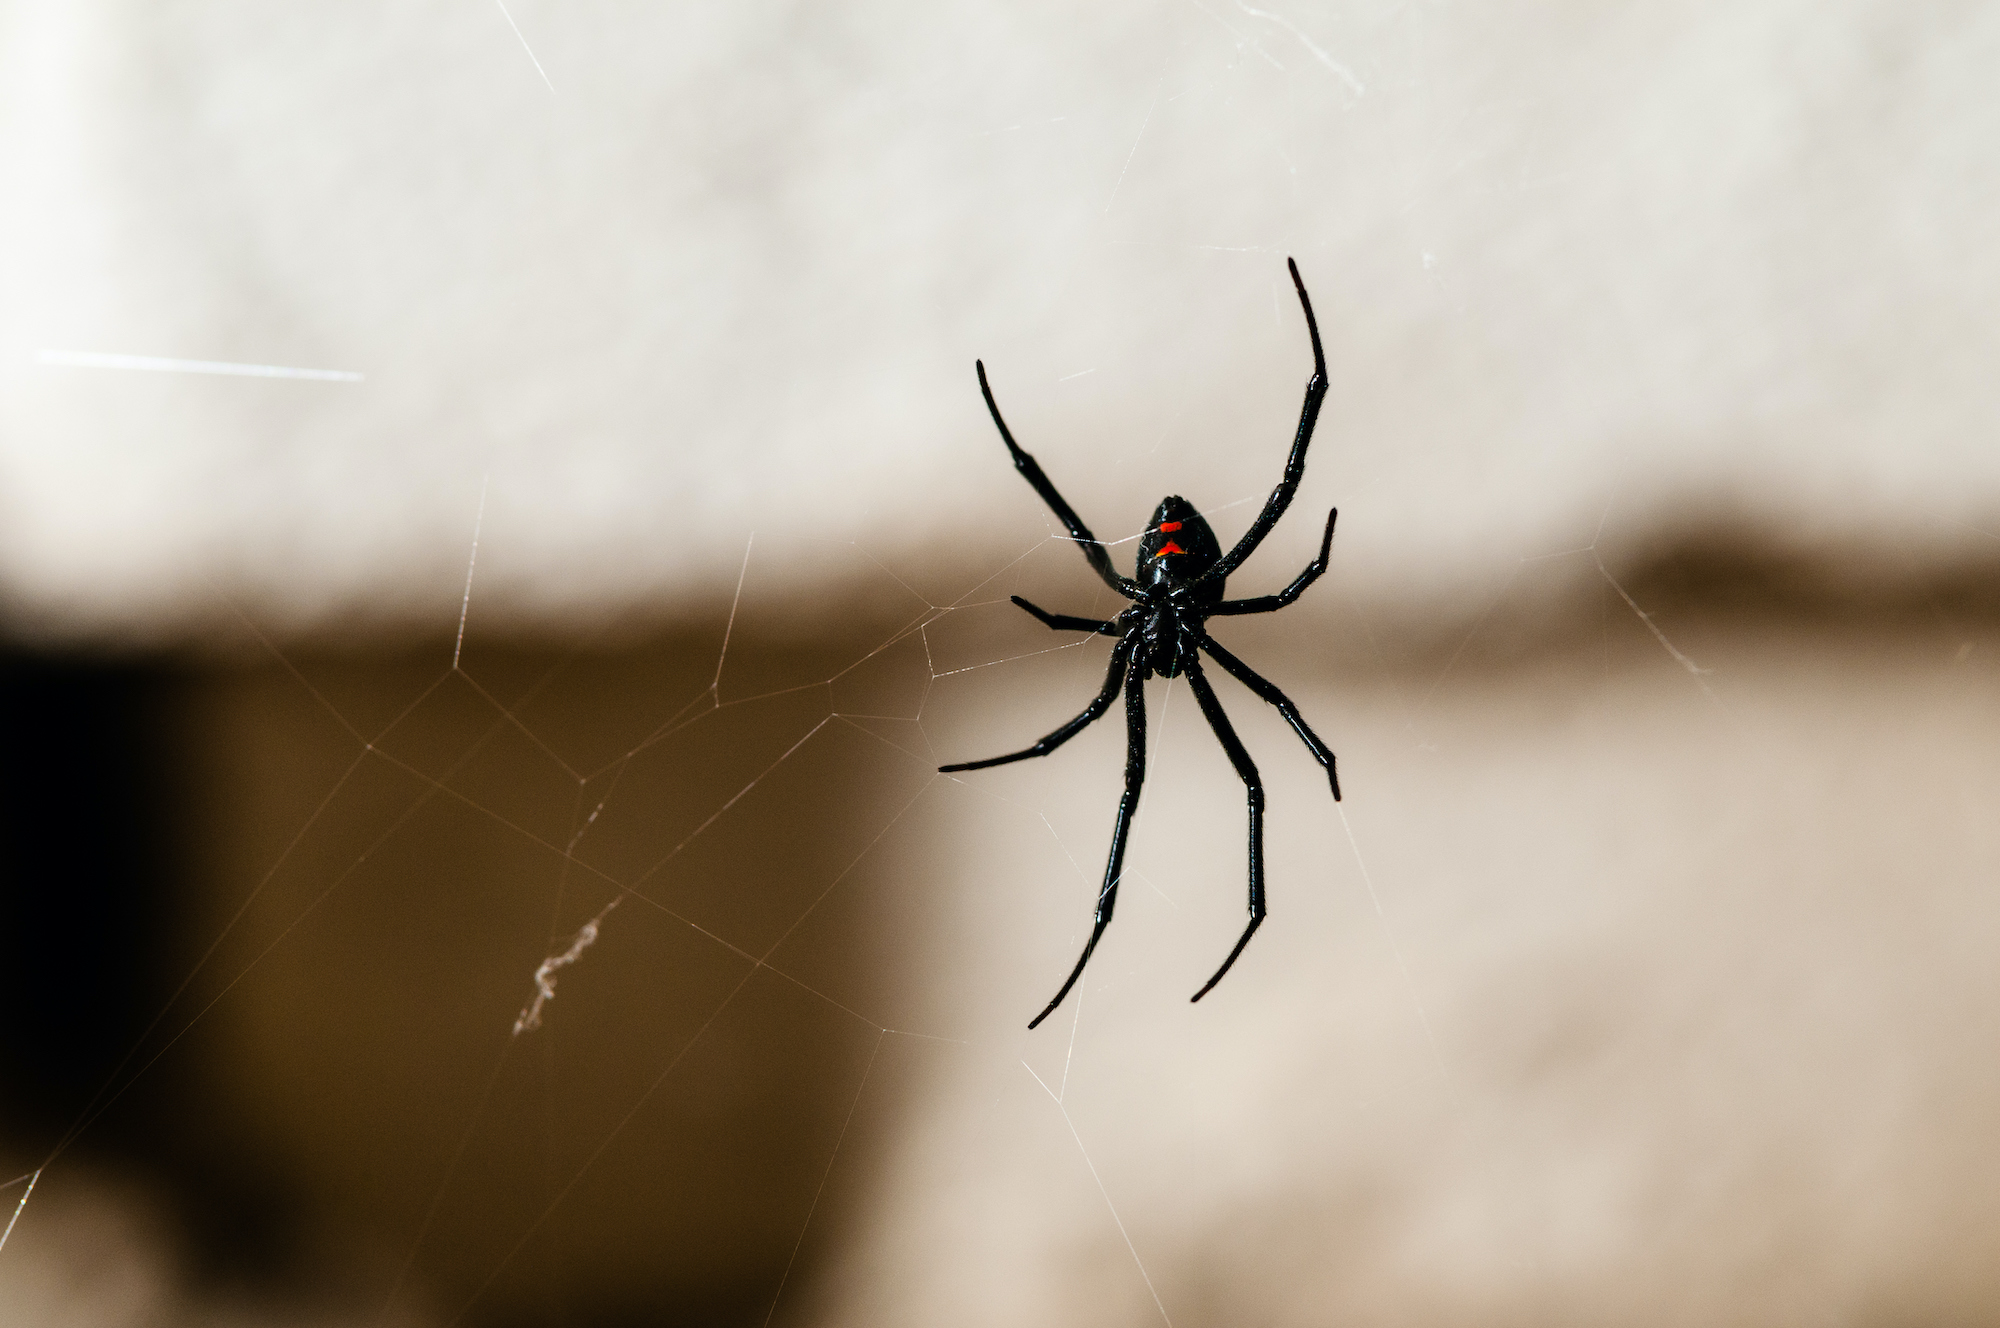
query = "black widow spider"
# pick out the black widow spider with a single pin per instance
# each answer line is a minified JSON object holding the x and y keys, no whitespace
{"x":1181,"y":569}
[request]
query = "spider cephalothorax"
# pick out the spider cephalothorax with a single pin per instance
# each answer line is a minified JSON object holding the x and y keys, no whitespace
{"x":1178,"y":587}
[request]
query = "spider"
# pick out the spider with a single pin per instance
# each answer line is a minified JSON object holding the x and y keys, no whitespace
{"x":1180,"y":570}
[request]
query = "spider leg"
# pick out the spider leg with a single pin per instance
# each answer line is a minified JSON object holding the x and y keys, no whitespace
{"x":1211,"y":710}
{"x":1295,"y":466}
{"x":1270,"y":603}
{"x":1114,"y":868}
{"x":1063,"y":622}
{"x":1113,"y":677}
{"x":1093,"y":548}
{"x":1268,"y":690}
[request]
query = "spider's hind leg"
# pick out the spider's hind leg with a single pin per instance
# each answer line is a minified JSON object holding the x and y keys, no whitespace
{"x":1211,"y":710}
{"x":1114,"y":868}
{"x":1268,"y":690}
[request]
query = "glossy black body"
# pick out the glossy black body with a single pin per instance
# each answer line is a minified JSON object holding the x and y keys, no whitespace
{"x":1176,"y":587}
{"x":1171,"y":562}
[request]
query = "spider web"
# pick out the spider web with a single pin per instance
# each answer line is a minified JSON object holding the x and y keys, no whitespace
{"x":496,"y":741}
{"x":619,"y":964}
{"x":654,"y":881}
{"x":571,"y":981}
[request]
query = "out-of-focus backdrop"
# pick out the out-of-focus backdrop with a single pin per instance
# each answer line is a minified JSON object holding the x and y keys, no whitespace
{"x":498,"y":529}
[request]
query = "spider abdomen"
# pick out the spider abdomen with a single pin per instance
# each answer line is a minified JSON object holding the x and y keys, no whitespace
{"x":1176,"y":549}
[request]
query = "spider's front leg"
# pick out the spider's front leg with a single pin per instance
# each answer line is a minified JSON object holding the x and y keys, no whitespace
{"x":1268,"y":690}
{"x":1093,"y":548}
{"x":1114,"y":868}
{"x":1295,"y":465}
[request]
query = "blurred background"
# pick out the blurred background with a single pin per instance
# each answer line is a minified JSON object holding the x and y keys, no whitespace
{"x":498,"y":529}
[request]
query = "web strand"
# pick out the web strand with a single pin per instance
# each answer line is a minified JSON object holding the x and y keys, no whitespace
{"x":799,"y":1244}
{"x":573,"y":959}
{"x":32,"y":1178}
{"x":1137,"y":1262}
{"x":465,"y":606}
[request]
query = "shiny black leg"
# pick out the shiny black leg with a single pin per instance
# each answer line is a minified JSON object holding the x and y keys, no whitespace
{"x":1295,"y":465}
{"x":1249,"y":677}
{"x":1063,"y":622}
{"x":1091,"y":713}
{"x":1135,"y":775}
{"x":1271,"y":603}
{"x":1094,"y":551}
{"x":1211,"y":710}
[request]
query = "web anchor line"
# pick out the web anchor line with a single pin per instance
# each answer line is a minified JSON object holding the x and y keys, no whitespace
{"x":826,"y":1175}
{"x":465,"y":606}
{"x":1137,"y":1262}
{"x":31,"y":1178}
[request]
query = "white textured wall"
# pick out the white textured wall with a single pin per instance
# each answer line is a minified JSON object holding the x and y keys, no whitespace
{"x":729,"y":275}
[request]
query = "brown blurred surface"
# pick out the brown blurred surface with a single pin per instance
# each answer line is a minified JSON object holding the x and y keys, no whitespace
{"x":660,"y":1138}
{"x":1674,"y":1007}
{"x":384,"y":851}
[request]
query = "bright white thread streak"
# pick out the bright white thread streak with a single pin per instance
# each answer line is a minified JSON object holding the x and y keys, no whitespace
{"x":1591,"y":548}
{"x":545,"y":976}
{"x":90,"y":359}
{"x":719,"y":811}
{"x":1101,"y":1190}
{"x":1395,"y":949}
{"x":1241,"y":40}
{"x":1078,"y":374}
{"x":1081,"y":875}
{"x":1559,"y":553}
{"x":33,"y":1176}
{"x":742,"y":572}
{"x":1133,"y":153}
{"x":1008,"y":659}
{"x":824,"y":1176}
{"x":524,"y":45}
{"x":1139,"y":535}
{"x":465,"y":606}
{"x":1345,"y":74}
{"x":1076,"y":1018}
{"x":1646,"y":618}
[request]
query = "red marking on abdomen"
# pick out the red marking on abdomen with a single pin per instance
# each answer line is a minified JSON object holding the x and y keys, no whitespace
{"x":1170,"y":547}
{"x":1169,"y":525}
